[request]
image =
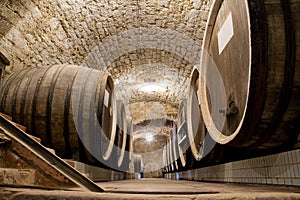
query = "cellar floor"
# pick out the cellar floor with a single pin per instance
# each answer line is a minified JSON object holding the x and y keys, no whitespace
{"x":159,"y":189}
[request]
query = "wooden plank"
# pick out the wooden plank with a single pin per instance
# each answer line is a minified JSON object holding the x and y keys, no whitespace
{"x":6,"y":116}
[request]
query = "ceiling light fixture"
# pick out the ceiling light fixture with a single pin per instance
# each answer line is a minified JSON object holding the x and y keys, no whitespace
{"x":149,"y":138}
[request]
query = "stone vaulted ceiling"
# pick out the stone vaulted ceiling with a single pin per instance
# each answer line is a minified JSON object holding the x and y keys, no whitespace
{"x":140,"y":42}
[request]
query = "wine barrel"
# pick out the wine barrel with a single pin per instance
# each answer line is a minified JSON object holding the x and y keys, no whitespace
{"x":138,"y":163}
{"x":168,"y":158}
{"x":171,"y":155}
{"x":177,"y":162}
{"x":121,"y":135}
{"x":129,"y":146}
{"x":62,"y":105}
{"x":95,"y":125}
{"x":250,"y":73}
{"x":186,"y":156}
{"x":164,"y":159}
{"x":182,"y":137}
{"x":195,"y":124}
{"x":167,"y":165}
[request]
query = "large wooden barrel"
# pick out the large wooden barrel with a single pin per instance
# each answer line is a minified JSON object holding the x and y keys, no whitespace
{"x":128,"y":154}
{"x":167,"y":158}
{"x":121,"y":137}
{"x":64,"y":105}
{"x":187,"y":159}
{"x":195,"y":124}
{"x":94,"y":112}
{"x":182,"y":137}
{"x":177,"y":162}
{"x":164,"y":159}
{"x":171,"y":155}
{"x":138,"y":163}
{"x":250,"y":73}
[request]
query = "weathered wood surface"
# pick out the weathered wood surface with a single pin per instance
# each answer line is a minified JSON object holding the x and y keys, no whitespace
{"x":62,"y":105}
{"x":258,"y":70}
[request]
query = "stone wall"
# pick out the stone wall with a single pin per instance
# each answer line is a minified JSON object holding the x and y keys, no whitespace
{"x":38,"y":33}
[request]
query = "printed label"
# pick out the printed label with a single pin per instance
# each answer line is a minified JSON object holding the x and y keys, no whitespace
{"x":225,"y":34}
{"x":106,"y":98}
{"x":198,"y":95}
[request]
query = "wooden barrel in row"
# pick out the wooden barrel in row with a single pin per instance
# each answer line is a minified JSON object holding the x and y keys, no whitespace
{"x":167,"y":160}
{"x":120,"y":142}
{"x":138,"y":163}
{"x":163,"y":160}
{"x":175,"y":150}
{"x":128,"y":154}
{"x":182,"y":147}
{"x":182,"y":138}
{"x":179,"y":149}
{"x":71,"y":108}
{"x":250,"y":73}
{"x":167,"y":164}
{"x":212,"y":111}
{"x":123,"y":148}
{"x":170,"y":155}
{"x":192,"y":146}
{"x":195,"y":126}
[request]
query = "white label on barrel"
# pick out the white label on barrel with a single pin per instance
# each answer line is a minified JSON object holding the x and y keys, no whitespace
{"x":198,"y":95}
{"x":225,"y":33}
{"x":106,"y":98}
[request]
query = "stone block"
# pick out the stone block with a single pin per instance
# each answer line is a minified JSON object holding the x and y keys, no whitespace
{"x":17,"y":176}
